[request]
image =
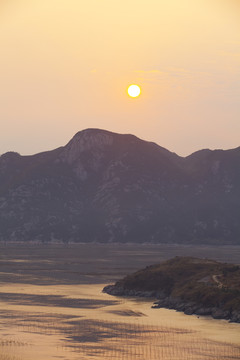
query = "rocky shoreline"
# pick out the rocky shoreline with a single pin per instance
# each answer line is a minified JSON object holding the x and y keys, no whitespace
{"x":169,"y":302}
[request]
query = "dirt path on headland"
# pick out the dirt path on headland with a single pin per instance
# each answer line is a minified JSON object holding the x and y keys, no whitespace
{"x":217,"y":281}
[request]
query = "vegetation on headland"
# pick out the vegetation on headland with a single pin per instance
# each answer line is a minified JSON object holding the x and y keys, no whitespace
{"x":195,"y":286}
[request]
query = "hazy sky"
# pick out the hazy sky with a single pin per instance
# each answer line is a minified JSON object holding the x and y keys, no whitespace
{"x":65,"y":66}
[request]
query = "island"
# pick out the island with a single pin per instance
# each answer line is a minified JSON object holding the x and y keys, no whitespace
{"x":188,"y":284}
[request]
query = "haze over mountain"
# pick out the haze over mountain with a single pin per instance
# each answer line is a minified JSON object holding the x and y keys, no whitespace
{"x":108,"y":187}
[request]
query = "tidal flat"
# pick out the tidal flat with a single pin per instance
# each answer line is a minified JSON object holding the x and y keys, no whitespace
{"x":52,"y":306}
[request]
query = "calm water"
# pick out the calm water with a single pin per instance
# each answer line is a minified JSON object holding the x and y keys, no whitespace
{"x":52,"y":307}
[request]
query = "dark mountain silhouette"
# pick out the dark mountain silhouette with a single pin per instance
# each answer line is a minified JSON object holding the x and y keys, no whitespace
{"x":107,"y":187}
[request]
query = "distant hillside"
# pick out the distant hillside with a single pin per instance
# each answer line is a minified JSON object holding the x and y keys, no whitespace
{"x":108,"y":187}
{"x":195,"y":286}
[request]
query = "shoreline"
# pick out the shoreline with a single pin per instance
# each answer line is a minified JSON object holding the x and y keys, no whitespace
{"x":171,"y":303}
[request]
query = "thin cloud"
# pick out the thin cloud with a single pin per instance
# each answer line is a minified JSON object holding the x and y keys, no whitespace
{"x":174,"y":72}
{"x":150,"y":72}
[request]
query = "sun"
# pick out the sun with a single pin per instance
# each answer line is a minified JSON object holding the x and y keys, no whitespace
{"x":134,"y":91}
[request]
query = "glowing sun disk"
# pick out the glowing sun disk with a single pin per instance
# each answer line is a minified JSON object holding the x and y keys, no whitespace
{"x":134,"y":90}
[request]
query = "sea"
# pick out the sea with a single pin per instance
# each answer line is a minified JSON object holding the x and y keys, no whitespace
{"x":52,"y":306}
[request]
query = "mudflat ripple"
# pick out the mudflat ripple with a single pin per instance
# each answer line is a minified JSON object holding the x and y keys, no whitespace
{"x":52,"y":306}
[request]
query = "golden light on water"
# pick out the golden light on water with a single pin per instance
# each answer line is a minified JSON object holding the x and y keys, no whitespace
{"x":134,"y":91}
{"x":86,"y":323}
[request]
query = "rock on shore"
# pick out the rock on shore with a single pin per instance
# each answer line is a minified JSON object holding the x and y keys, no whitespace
{"x":169,"y":302}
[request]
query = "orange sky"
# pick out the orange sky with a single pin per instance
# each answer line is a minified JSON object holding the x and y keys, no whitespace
{"x":65,"y":66}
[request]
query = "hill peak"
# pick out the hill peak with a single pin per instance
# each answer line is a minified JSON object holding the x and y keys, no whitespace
{"x":86,"y":140}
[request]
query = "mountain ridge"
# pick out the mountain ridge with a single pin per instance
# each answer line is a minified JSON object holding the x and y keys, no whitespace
{"x":103,"y":186}
{"x":79,"y":133}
